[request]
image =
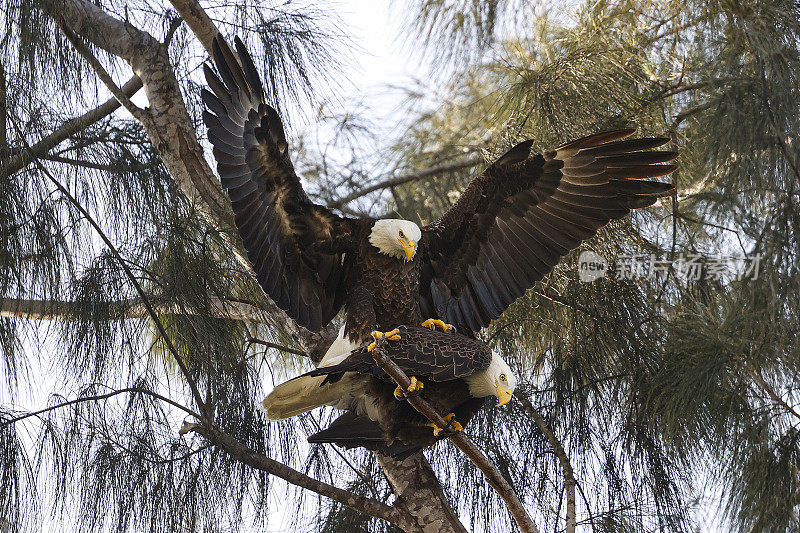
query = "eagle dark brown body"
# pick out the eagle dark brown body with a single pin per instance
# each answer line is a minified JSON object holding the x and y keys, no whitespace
{"x":382,"y":289}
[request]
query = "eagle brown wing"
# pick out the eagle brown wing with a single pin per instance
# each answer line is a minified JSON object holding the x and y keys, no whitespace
{"x":295,"y":246}
{"x":421,"y":352}
{"x":514,"y":222}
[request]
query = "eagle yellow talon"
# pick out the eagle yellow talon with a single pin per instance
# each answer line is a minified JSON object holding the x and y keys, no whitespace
{"x":436,"y":429}
{"x":414,"y":386}
{"x":393,"y":335}
{"x":433,"y":322}
{"x":452,"y":423}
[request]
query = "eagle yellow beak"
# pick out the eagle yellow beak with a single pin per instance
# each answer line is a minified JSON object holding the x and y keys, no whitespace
{"x":503,"y":395}
{"x":409,"y":247}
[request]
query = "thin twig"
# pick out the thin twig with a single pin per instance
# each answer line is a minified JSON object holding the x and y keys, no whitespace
{"x":100,"y":397}
{"x":558,"y":450}
{"x":277,"y":347}
{"x":406,"y":178}
{"x":490,"y":471}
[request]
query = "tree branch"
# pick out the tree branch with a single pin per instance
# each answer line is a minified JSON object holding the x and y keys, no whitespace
{"x":101,"y":72}
{"x":69,"y":128}
{"x":198,"y":20}
{"x":277,"y":347}
{"x":124,"y":309}
{"x":774,"y":396}
{"x":558,"y":450}
{"x":98,"y":397}
{"x":418,"y":492}
{"x":492,"y":474}
{"x":459,"y":164}
{"x":247,"y":456}
{"x":167,"y":121}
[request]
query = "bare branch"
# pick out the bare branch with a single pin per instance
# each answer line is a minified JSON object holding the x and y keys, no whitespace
{"x":198,"y":20}
{"x":493,"y":475}
{"x":459,"y":164}
{"x":558,"y":450}
{"x":101,"y":72}
{"x":167,"y":123}
{"x":123,"y":309}
{"x":97,"y":397}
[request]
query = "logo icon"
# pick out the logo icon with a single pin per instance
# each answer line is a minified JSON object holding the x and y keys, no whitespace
{"x":591,"y":266}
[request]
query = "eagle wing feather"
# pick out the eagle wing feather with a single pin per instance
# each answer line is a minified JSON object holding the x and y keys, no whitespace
{"x":514,"y":222}
{"x":428,"y":355}
{"x":295,"y":246}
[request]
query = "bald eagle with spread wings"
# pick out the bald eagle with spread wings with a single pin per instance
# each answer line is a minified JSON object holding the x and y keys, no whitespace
{"x":509,"y":228}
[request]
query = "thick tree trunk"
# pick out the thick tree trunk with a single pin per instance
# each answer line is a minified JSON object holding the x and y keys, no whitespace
{"x":420,"y":494}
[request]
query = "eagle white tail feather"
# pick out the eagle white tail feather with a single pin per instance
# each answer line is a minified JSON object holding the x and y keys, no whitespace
{"x":300,"y":395}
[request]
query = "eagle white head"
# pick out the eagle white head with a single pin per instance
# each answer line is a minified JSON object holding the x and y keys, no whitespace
{"x":497,"y":380}
{"x":395,"y":237}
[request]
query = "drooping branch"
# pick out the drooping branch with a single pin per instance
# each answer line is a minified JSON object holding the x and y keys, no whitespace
{"x":460,"y":164}
{"x":490,"y":471}
{"x":133,"y":280}
{"x":566,"y":466}
{"x":125,"y":309}
{"x":98,"y":397}
{"x":250,"y":457}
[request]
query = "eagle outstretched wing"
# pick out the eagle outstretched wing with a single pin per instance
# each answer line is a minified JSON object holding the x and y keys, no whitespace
{"x":431,"y":355}
{"x":293,"y":243}
{"x":514,"y":222}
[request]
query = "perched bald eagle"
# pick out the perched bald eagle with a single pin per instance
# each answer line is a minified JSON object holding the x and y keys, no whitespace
{"x":458,"y":373}
{"x":508,"y":229}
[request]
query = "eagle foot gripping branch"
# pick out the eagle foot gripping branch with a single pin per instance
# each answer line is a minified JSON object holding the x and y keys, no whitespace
{"x":393,"y":335}
{"x":452,"y":424}
{"x":432,"y":323}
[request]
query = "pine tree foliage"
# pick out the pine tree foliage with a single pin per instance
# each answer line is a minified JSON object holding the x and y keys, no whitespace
{"x":658,"y":391}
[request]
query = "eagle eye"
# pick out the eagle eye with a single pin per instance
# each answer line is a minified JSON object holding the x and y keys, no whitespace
{"x":402,"y":235}
{"x":502,"y":377}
